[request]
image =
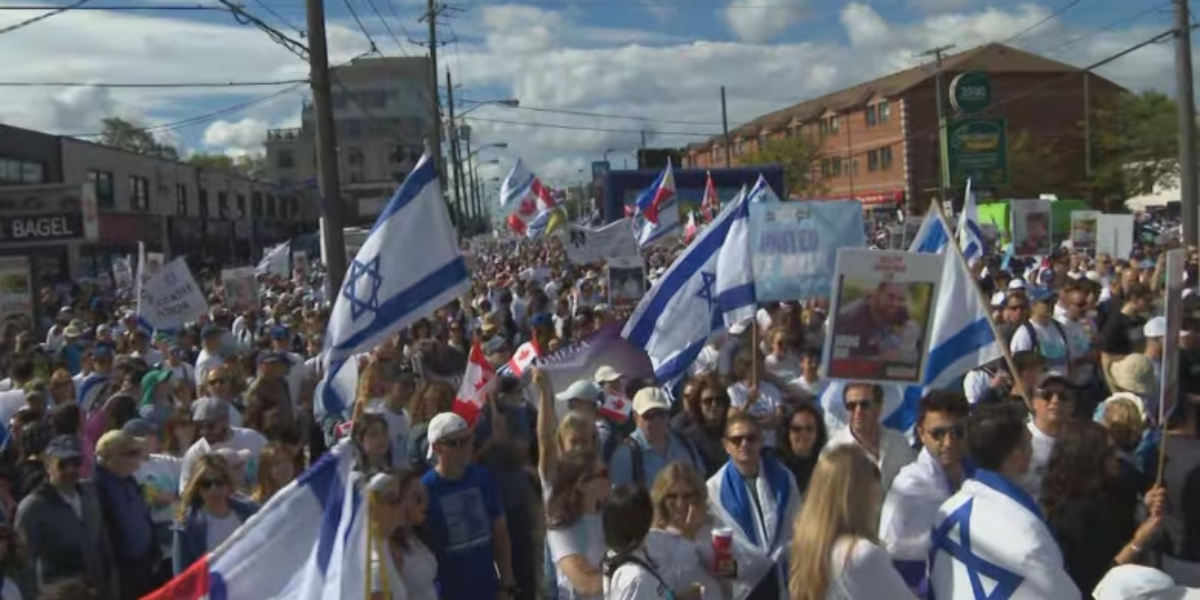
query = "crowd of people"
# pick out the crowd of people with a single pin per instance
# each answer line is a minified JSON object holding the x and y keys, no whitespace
{"x":129,"y":454}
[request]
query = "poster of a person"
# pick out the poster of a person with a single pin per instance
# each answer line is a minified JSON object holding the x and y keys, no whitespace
{"x":240,"y":288}
{"x":883,"y":305}
{"x":1031,"y":229}
{"x":154,"y":262}
{"x":626,"y":280}
{"x":1084,"y":224}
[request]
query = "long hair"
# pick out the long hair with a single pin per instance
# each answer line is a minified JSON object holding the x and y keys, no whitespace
{"x":627,"y":517}
{"x":566,"y":502}
{"x":400,"y":480}
{"x":430,"y":399}
{"x":1077,"y":467}
{"x":839,"y":503}
{"x":208,"y":465}
{"x":264,"y":485}
{"x":672,"y":475}
{"x":180,"y":417}
{"x":785,"y":440}
{"x":575,"y":422}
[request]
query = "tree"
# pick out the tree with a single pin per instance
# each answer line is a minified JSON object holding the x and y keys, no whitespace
{"x":131,"y":136}
{"x":797,"y":154}
{"x":250,"y":165}
{"x":1134,"y":144}
{"x":1036,"y":165}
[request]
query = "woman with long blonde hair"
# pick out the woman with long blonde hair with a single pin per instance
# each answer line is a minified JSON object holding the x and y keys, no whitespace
{"x":210,"y":510}
{"x":680,"y":536}
{"x":835,"y":554}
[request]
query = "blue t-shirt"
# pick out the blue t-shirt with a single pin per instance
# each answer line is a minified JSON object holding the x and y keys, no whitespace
{"x":458,"y":527}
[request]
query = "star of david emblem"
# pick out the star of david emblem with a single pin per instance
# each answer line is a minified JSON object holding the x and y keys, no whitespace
{"x":978,"y":568}
{"x":706,"y":292}
{"x":362,"y":287}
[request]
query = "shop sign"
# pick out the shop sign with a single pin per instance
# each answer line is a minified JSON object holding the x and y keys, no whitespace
{"x":43,"y":227}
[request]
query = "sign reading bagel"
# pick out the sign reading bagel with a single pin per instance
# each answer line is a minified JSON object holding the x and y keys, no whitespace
{"x":48,"y":213}
{"x":41,"y":227}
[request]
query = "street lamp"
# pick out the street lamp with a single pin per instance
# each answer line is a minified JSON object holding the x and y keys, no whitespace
{"x":474,"y":198}
{"x":456,"y":135}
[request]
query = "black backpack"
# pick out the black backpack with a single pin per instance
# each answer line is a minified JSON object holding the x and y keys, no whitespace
{"x":1037,"y":346}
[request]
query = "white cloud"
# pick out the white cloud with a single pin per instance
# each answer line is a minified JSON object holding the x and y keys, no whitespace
{"x":759,"y":21}
{"x":559,"y":62}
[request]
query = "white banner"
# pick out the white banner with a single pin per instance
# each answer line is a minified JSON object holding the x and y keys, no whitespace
{"x":171,"y":297}
{"x":588,"y":245}
{"x":1114,"y":236}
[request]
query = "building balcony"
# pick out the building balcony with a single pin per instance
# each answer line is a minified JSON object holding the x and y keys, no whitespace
{"x":288,"y":134}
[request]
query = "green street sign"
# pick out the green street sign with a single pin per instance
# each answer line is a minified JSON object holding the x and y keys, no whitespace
{"x":977,"y":149}
{"x":970,"y":92}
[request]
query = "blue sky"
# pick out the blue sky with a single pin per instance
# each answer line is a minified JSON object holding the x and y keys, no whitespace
{"x":659,"y":64}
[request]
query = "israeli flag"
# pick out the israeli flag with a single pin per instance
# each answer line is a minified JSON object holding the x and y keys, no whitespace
{"x":409,"y":266}
{"x":696,"y":296}
{"x":762,"y":192}
{"x":970,"y":234}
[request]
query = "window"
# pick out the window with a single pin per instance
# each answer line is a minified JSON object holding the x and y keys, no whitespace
{"x":202,"y":202}
{"x":870,"y":115}
{"x":285,"y":159}
{"x":139,"y":193}
{"x":241,"y":207}
{"x":885,"y":112}
{"x":829,"y":124}
{"x":256,"y":205}
{"x":872,"y":160}
{"x":21,"y":171}
{"x":825,"y":169}
{"x":885,"y":158}
{"x":270,"y":206}
{"x":104,"y":188}
{"x":222,"y":205}
{"x":181,"y":207}
{"x":295,"y":210}
{"x":356,"y":177}
{"x":836,"y":166}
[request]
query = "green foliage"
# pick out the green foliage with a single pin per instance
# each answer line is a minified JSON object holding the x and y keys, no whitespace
{"x":1134,"y":144}
{"x":1035,"y":166}
{"x":250,"y":165}
{"x":798,"y":155}
{"x":134,"y":137}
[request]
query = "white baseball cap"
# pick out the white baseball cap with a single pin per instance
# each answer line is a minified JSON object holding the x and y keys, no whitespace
{"x":1135,"y":582}
{"x":648,"y":399}
{"x":582,"y":389}
{"x":606,"y":374}
{"x":444,"y":425}
{"x":1155,"y":327}
{"x":1016,"y":284}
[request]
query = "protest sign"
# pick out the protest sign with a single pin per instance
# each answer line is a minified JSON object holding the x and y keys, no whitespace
{"x":300,"y":266}
{"x":1031,"y":228}
{"x":626,"y":280}
{"x":154,"y":262}
{"x":1114,"y":235}
{"x":1168,"y":385}
{"x":122,"y":272}
{"x":603,"y":347}
{"x":795,"y":245}
{"x":882,"y":307}
{"x":171,"y":297}
{"x":590,"y":245}
{"x":1084,"y":228}
{"x":240,"y":288}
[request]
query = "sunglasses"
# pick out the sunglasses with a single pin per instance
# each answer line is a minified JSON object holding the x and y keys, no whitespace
{"x":738,"y":440}
{"x":70,"y":463}
{"x":208,"y":484}
{"x":217,"y":381}
{"x":958,"y":432}
{"x":857,"y":404}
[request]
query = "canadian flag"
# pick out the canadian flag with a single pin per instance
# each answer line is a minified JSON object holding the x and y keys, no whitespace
{"x":690,"y":230}
{"x":476,"y":383}
{"x":616,"y":408}
{"x":526,"y":354}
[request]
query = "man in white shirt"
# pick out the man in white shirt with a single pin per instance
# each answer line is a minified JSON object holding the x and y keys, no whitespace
{"x":1053,"y":405}
{"x":1042,"y":334}
{"x":211,"y":416}
{"x":210,"y":353}
{"x":887,"y":448}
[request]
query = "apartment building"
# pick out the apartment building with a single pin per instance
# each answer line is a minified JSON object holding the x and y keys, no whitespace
{"x":879,"y":142}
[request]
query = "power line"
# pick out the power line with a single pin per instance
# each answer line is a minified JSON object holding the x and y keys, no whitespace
{"x":281,"y":18}
{"x":395,"y":14}
{"x":42,"y":17}
{"x":361,"y":27}
{"x":1060,"y":11}
{"x":584,"y":128}
{"x":129,"y":7}
{"x":128,"y":85}
{"x":383,"y":22}
{"x":1117,"y":23}
{"x":599,"y":115}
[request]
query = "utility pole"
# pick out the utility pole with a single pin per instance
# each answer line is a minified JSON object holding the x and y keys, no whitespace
{"x":939,"y":54}
{"x":455,"y":166}
{"x":327,"y":164}
{"x":725,"y":126}
{"x":433,"y":9}
{"x":469,"y":181}
{"x":1185,"y":102}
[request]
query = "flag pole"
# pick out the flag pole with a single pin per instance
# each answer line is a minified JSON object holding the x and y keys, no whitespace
{"x":367,"y":583}
{"x":937,"y":209}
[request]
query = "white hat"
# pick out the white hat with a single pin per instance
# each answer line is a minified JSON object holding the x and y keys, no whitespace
{"x":998,"y":298}
{"x":606,"y":374}
{"x":1127,"y":397}
{"x":1135,"y":582}
{"x":648,"y":399}
{"x":1092,"y":276}
{"x":1155,"y":327}
{"x":582,"y":389}
{"x":740,"y":327}
{"x":444,"y":425}
{"x":1016,"y":284}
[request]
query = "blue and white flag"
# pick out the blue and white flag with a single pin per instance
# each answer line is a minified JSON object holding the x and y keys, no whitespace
{"x":674,"y":319}
{"x":970,"y":234}
{"x":409,"y":266}
{"x":735,"y":268}
{"x":275,"y":261}
{"x":762,"y":192}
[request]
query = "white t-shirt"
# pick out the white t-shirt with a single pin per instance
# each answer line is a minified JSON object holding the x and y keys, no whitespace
{"x":74,"y":501}
{"x":296,"y":375}
{"x":240,"y":439}
{"x":631,"y":581}
{"x":10,"y":403}
{"x":866,"y":573}
{"x":10,"y":591}
{"x":218,"y":529}
{"x":769,"y":398}
{"x":206,"y":362}
{"x":1051,"y":345}
{"x":585,"y":538}
{"x":681,"y":562}
{"x":1043,"y":447}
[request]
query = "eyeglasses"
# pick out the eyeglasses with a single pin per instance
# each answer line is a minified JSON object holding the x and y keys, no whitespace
{"x":803,"y":428}
{"x":652,"y":415}
{"x":208,"y":484}
{"x":738,"y":440}
{"x":853,"y":405}
{"x":958,"y":432}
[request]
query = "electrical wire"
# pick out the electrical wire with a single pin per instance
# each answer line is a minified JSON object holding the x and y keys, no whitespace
{"x":281,"y":18}
{"x":361,"y":27}
{"x":1059,"y":11}
{"x":1117,"y":23}
{"x":131,"y":7}
{"x":126,"y":85}
{"x":586,"y":128}
{"x":386,"y":28}
{"x":599,"y":115}
{"x":41,"y":17}
{"x":396,"y":15}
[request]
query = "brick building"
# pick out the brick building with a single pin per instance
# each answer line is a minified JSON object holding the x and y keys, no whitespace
{"x":879,"y":141}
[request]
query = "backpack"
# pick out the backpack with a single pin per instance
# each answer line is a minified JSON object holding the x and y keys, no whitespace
{"x":1037,"y":346}
{"x":663,"y":590}
{"x":639,"y":461}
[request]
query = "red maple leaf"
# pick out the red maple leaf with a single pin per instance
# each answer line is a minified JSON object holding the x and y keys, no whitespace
{"x":479,"y":384}
{"x":617,"y":404}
